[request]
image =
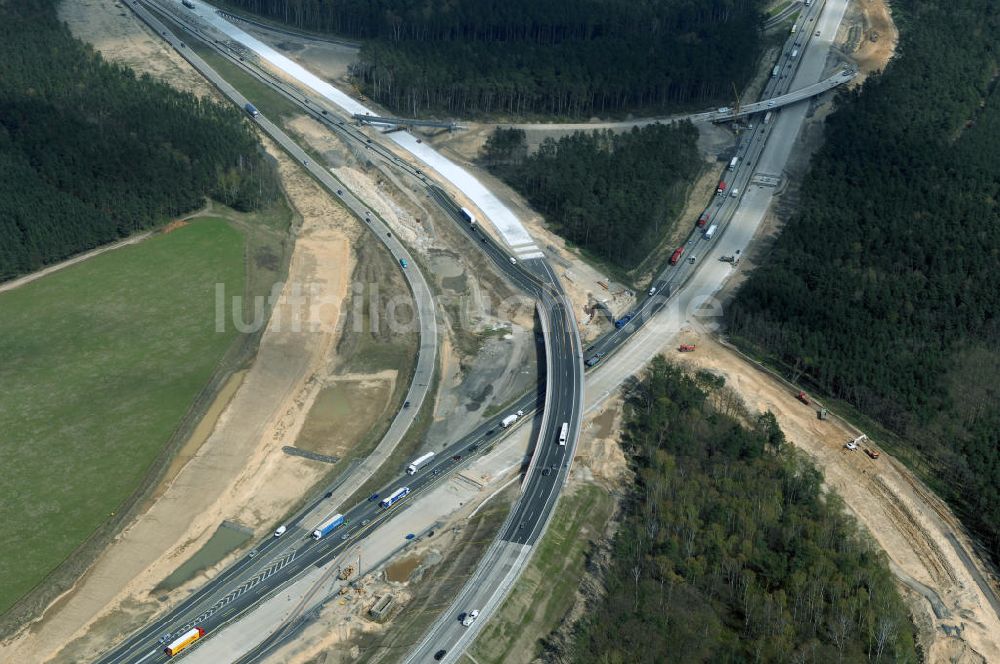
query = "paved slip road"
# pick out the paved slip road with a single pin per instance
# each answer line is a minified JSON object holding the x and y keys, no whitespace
{"x":279,"y":561}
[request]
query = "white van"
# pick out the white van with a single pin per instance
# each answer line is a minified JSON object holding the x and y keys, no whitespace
{"x":280,"y":531}
{"x":735,"y":192}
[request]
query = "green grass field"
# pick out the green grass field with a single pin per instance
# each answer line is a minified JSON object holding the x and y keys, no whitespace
{"x":98,"y":364}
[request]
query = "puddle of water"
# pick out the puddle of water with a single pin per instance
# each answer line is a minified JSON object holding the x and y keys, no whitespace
{"x":401,"y":570}
{"x":224,"y":541}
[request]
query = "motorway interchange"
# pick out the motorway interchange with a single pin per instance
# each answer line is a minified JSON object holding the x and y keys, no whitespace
{"x":276,"y":561}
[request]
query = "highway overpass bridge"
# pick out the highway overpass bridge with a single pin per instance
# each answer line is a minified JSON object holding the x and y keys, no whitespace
{"x":364,"y":118}
{"x":795,"y":96}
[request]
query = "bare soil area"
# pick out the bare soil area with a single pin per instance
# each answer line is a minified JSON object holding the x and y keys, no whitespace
{"x":869,"y":36}
{"x":911,"y":524}
{"x":114,"y":31}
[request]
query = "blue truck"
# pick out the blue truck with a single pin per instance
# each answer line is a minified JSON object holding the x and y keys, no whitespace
{"x":328,"y":526}
{"x":394,"y":497}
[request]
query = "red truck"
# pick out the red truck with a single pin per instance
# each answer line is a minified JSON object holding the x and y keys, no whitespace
{"x":677,"y":255}
{"x":703,"y":219}
{"x":722,"y":187}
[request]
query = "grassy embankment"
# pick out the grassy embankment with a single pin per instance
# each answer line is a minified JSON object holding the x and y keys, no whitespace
{"x":100,"y":362}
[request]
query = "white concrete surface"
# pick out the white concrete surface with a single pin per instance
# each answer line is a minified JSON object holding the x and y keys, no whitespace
{"x":499,"y":215}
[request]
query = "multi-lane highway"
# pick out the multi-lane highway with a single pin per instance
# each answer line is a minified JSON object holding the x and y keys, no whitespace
{"x":280,"y":561}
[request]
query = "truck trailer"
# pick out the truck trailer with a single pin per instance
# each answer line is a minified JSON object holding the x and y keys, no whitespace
{"x":418,"y":462}
{"x":733,"y":162}
{"x":395,"y":497}
{"x":721,"y":188}
{"x":328,"y":526}
{"x":703,"y":219}
{"x":469,"y":217}
{"x":510,"y":419}
{"x":183,"y":641}
{"x":711,"y":231}
{"x":676,"y":255}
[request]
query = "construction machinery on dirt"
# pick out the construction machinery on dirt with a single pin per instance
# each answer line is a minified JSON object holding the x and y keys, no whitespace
{"x":803,"y":397}
{"x":686,"y":348}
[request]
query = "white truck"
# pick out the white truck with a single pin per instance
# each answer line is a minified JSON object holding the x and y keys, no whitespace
{"x":417,"y":463}
{"x":469,"y":217}
{"x":775,"y":71}
{"x":711,"y":231}
{"x":510,"y":419}
{"x":733,"y":162}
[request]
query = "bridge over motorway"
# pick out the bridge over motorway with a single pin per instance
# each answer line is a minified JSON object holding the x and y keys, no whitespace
{"x":364,"y":118}
{"x":727,"y":114}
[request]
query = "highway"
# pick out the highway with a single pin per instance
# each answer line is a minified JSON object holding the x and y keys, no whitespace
{"x":278,"y":561}
{"x":723,"y":206}
{"x":222,"y":600}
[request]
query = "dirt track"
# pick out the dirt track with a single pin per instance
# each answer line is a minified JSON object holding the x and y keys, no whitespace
{"x":911,"y":524}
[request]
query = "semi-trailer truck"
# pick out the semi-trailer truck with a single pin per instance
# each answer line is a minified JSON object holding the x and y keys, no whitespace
{"x":328,"y":526}
{"x":395,"y":497}
{"x":703,"y":219}
{"x":510,"y":419}
{"x":185,"y":640}
{"x":721,"y":188}
{"x":418,"y":462}
{"x":676,"y":255}
{"x":252,"y":110}
{"x":469,"y":217}
{"x":733,"y":162}
{"x":711,"y":231}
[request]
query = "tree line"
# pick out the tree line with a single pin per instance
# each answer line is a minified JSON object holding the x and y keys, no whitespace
{"x":729,"y":550}
{"x":615,"y":195}
{"x":563,"y":57}
{"x":884,"y":290}
{"x":89,"y":152}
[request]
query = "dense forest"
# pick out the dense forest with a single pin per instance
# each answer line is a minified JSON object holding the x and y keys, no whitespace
{"x":89,"y":152}
{"x":884,"y":290}
{"x":614,"y":195}
{"x":564,"y":57}
{"x":729,"y":551}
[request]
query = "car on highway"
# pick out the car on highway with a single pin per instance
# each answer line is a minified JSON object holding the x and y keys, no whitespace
{"x":366,"y":522}
{"x":406,"y":404}
{"x":340,"y":192}
{"x":595,"y":359}
{"x":513,"y":261}
{"x":546,"y":472}
{"x":402,"y":261}
{"x":280,"y":531}
{"x":817,"y":33}
{"x":439,"y":655}
{"x":372,"y":498}
{"x":456,"y":457}
{"x":470,"y":617}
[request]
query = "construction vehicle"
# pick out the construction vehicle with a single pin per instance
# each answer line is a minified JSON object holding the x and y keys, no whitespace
{"x":735,"y":260}
{"x":801,"y":396}
{"x":346,"y":573}
{"x":822,"y":413}
{"x":872,"y":452}
{"x":686,"y":348}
